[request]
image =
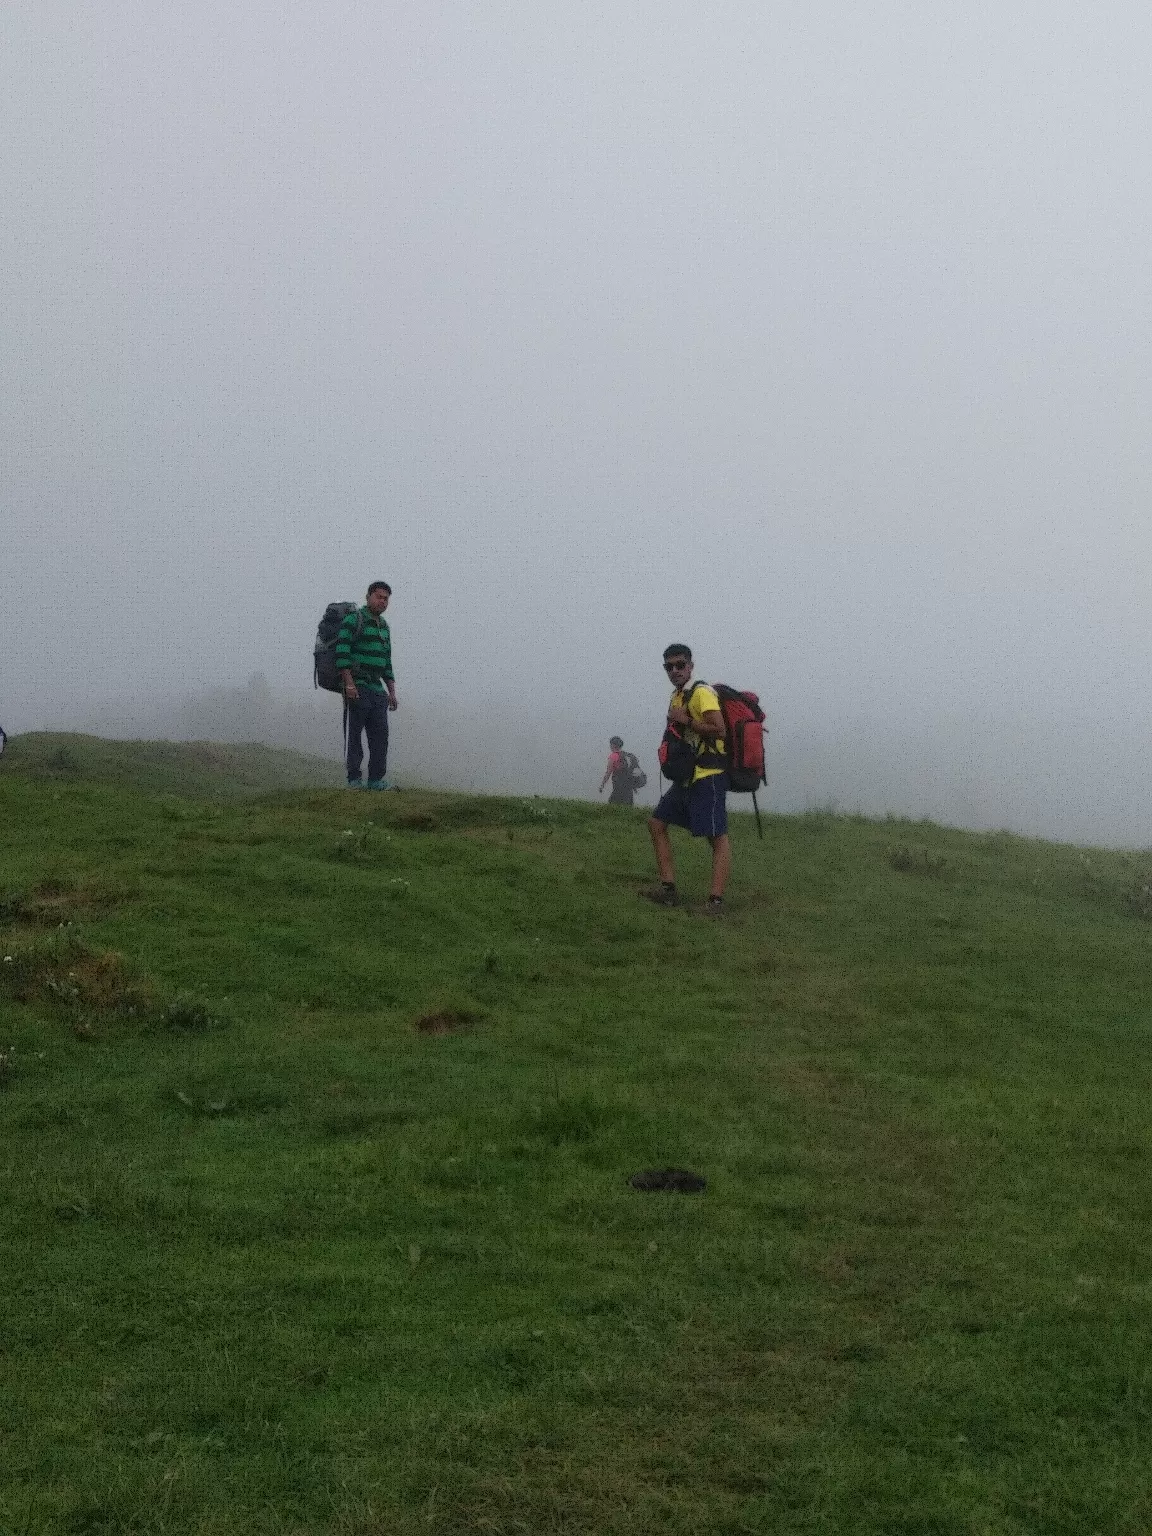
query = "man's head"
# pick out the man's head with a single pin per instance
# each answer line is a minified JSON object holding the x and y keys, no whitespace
{"x":615,"y":742}
{"x":678,"y":664}
{"x":378,"y":594}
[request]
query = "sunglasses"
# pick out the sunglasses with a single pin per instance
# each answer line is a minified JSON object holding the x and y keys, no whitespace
{"x":676,"y":666}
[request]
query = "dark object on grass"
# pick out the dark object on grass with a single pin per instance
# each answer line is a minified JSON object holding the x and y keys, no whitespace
{"x":680,"y":1181}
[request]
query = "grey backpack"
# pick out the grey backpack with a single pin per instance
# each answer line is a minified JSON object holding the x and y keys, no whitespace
{"x":636,"y":775}
{"x":324,"y":673}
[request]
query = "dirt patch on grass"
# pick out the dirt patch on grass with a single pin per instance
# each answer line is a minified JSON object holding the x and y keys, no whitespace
{"x":54,"y":903}
{"x":415,"y":821}
{"x":448,"y":1021}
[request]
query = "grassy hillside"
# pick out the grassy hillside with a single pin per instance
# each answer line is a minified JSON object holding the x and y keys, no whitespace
{"x":201,"y":768}
{"x":318,"y":1112}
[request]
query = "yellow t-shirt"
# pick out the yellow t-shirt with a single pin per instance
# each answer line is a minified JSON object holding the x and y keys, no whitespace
{"x":702,"y":700}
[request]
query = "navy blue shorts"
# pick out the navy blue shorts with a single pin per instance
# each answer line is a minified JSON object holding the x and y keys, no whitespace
{"x":702,"y":808}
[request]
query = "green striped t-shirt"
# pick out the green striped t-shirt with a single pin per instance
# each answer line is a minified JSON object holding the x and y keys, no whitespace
{"x":367,"y":656}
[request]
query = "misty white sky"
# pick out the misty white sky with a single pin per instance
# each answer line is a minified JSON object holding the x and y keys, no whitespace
{"x":813,"y":334}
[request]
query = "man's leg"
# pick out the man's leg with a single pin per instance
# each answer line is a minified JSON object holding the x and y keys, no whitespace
{"x":709,"y":818}
{"x":721,"y":866}
{"x":376,"y":729}
{"x":671,"y":812}
{"x":662,"y":847}
{"x":354,"y":747}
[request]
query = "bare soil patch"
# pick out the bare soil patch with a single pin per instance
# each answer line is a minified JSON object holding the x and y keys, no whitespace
{"x":450,"y":1021}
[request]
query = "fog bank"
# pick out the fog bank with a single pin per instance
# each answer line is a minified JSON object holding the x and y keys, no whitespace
{"x":1076,"y":782}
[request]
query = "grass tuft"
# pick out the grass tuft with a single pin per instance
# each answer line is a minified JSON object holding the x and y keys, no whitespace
{"x":917,"y":861}
{"x":192,"y":1015}
{"x":65,"y":971}
{"x":1137,"y":898}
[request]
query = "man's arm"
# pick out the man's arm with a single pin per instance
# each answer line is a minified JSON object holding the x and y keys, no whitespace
{"x":344,"y":656}
{"x":387,"y":676}
{"x":710,"y":723}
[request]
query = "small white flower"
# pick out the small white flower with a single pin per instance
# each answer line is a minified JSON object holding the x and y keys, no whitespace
{"x":7,"y":959}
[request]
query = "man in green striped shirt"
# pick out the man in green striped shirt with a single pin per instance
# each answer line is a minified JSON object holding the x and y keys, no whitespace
{"x":364,"y":662}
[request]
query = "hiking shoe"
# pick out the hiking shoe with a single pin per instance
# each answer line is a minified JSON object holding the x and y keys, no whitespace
{"x":713,"y":907}
{"x":662,"y":896}
{"x":379,"y":784}
{"x":355,"y":783}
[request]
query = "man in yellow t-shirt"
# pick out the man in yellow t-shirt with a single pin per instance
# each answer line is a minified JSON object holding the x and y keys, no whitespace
{"x":699,"y":806}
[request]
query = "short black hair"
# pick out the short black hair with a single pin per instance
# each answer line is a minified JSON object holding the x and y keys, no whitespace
{"x":377,"y":586}
{"x":677,"y":650}
{"x":615,"y":741}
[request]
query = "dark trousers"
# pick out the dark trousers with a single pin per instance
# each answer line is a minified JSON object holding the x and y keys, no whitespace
{"x":367,"y":714}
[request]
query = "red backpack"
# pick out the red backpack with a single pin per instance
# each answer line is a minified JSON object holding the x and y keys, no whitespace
{"x":743,"y":739}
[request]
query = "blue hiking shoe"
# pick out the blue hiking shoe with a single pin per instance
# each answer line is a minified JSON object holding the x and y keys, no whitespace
{"x":355,"y":783}
{"x":379,"y":784}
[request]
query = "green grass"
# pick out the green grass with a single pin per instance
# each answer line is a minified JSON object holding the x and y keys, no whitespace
{"x":278,"y":1260}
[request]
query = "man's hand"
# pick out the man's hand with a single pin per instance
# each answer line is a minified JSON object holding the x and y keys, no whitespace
{"x":393,"y":701}
{"x":711,"y":722}
{"x":351,"y":693}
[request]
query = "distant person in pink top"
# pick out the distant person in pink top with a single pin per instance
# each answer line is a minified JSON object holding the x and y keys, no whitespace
{"x":622,"y":768}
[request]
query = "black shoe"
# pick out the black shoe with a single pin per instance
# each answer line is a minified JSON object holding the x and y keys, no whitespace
{"x":662,"y":896}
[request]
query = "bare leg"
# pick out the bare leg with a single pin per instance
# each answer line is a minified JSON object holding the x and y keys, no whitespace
{"x":721,"y":861}
{"x":662,"y":847}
